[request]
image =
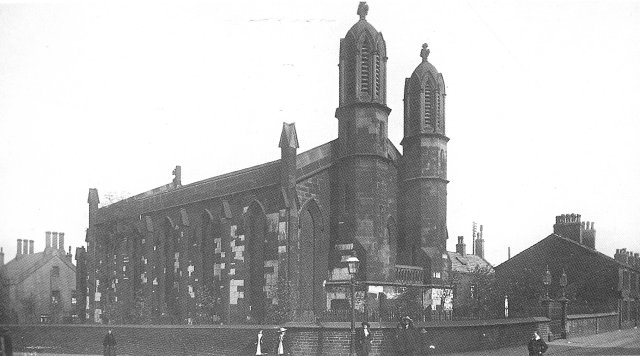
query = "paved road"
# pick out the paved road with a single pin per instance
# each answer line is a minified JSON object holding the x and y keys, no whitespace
{"x":621,"y":342}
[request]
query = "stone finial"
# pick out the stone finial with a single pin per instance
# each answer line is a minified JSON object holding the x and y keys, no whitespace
{"x":424,"y":53}
{"x":363,"y":10}
{"x":177,"y":176}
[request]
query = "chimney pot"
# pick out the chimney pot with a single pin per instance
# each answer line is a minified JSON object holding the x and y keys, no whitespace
{"x":31,"y":245}
{"x":25,"y":247}
{"x":48,"y":238}
{"x":19,"y":249}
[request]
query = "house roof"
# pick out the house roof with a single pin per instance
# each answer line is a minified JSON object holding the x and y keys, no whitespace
{"x":604,"y":259}
{"x":467,"y":263}
{"x":22,"y":267}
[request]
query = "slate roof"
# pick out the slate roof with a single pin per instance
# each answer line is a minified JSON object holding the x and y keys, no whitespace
{"x":22,"y":267}
{"x":604,"y":259}
{"x":468,"y":263}
{"x":308,"y":163}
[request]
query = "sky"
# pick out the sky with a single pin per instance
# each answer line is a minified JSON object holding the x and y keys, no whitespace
{"x":542,"y":104}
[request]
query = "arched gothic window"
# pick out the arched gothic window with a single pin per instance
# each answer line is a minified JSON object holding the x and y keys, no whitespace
{"x":376,"y":58}
{"x":364,"y":68}
{"x":428,"y":106}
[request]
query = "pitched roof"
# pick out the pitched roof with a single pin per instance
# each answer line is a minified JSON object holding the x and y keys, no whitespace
{"x":604,"y":259}
{"x":22,"y":267}
{"x":467,"y":263}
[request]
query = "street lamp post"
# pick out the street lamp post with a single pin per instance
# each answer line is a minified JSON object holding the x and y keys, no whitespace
{"x":353,"y":263}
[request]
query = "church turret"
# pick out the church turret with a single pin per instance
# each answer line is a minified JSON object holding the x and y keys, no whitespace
{"x":363,"y":111}
{"x":365,"y":195}
{"x":424,"y":169}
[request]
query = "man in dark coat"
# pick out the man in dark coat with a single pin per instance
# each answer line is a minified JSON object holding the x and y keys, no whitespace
{"x":6,"y":347}
{"x":109,"y":344}
{"x":405,"y":337}
{"x":363,"y":339}
{"x":536,"y":346}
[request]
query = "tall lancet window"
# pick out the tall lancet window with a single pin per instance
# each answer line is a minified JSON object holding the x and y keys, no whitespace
{"x":428,"y":106}
{"x":376,"y":58}
{"x":438,"y":111}
{"x":364,"y":68}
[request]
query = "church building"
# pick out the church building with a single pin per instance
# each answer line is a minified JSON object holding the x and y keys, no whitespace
{"x":270,"y":239}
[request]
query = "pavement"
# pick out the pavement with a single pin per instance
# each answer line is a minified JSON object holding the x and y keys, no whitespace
{"x":621,"y":342}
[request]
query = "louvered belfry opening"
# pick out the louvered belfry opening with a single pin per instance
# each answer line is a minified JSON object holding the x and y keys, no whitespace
{"x":428,"y":112}
{"x":377,"y":75}
{"x":364,"y":68}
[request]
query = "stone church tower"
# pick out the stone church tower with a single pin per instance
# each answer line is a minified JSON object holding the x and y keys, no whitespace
{"x":368,"y":178}
{"x":424,"y":169}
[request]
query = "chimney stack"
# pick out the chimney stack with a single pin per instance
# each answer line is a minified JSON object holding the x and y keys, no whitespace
{"x":61,"y":241}
{"x":48,"y":242}
{"x":479,"y":243}
{"x":54,"y":240}
{"x":19,"y":250}
{"x":1,"y":257}
{"x":25,"y":247}
{"x":509,"y":252}
{"x":461,"y":248}
{"x":31,"y":247}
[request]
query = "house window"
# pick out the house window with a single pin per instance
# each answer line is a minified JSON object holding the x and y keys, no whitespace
{"x":55,"y":296}
{"x":55,"y":271}
{"x":74,"y":301}
{"x":436,"y":275}
{"x":472,"y":291}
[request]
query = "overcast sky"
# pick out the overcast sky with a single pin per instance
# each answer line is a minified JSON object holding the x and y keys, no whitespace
{"x":543,"y":104}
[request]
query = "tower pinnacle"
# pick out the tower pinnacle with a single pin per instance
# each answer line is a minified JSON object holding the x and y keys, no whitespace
{"x":424,"y":53}
{"x":363,"y":9}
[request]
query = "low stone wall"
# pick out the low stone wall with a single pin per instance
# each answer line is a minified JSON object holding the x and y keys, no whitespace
{"x":589,"y":324}
{"x":302,"y":339}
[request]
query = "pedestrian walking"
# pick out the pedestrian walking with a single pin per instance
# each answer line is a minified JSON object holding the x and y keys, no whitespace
{"x":405,"y":337}
{"x":363,"y":339}
{"x":6,"y":347}
{"x":536,"y":345}
{"x":281,"y":342}
{"x":109,"y":344}
{"x":259,"y":344}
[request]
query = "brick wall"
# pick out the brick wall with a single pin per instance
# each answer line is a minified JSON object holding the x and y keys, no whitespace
{"x":303,"y":339}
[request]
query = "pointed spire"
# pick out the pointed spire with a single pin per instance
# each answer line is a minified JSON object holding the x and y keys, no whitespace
{"x":288,"y":137}
{"x":424,"y":53}
{"x":363,"y":9}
